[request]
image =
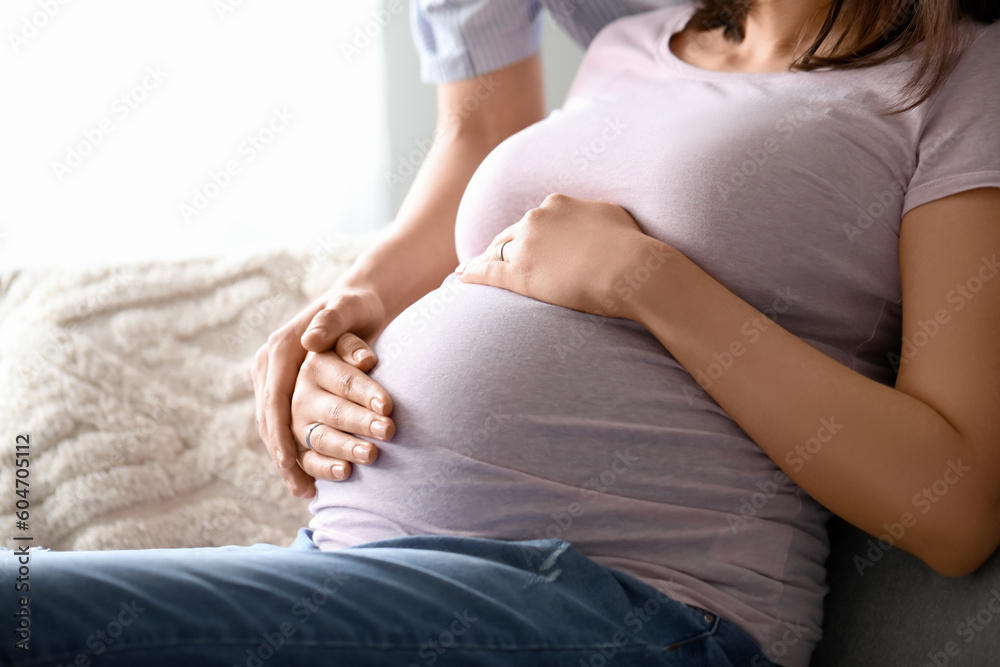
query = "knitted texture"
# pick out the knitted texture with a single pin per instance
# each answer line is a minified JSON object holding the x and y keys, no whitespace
{"x":133,"y":383}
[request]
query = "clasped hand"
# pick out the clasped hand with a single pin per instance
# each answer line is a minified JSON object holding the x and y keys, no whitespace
{"x":569,"y":252}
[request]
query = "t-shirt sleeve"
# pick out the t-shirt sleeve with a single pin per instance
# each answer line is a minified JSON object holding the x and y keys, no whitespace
{"x":461,"y":39}
{"x":959,"y":147}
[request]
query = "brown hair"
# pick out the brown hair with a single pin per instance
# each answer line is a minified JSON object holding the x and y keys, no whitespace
{"x":872,"y":32}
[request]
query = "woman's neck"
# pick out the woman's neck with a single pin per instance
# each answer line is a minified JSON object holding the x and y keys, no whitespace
{"x":776,"y":33}
{"x":780,"y":30}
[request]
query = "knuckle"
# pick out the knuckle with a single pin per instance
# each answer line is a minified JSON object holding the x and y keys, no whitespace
{"x":276,"y":340}
{"x":346,"y":383}
{"x":260,"y":357}
{"x":332,"y":319}
{"x":309,"y":363}
{"x":320,"y":439}
{"x":533,"y":215}
{"x":349,"y":299}
{"x":336,"y":414}
{"x":298,"y":400}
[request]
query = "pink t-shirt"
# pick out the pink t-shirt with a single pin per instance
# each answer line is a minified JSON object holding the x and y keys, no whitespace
{"x":517,"y":419}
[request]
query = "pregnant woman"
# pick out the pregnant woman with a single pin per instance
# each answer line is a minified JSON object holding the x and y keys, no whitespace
{"x":707,"y":302}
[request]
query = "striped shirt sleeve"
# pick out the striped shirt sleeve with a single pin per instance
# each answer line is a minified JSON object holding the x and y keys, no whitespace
{"x":461,"y":39}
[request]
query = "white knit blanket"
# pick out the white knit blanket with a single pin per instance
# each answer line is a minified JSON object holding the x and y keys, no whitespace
{"x":133,"y":383}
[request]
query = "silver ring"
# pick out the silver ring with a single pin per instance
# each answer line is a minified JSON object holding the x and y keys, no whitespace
{"x":500,"y":250}
{"x":309,"y":432}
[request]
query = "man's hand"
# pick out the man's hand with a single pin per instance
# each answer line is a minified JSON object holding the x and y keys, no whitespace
{"x":342,"y":323}
{"x":417,"y":254}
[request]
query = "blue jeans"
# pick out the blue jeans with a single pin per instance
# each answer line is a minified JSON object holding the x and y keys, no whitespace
{"x":413,"y":601}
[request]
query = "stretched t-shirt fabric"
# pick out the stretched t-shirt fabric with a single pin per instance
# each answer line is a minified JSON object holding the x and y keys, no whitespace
{"x":517,"y":419}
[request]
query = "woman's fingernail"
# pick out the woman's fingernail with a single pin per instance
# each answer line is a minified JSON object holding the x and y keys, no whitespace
{"x":461,"y":268}
{"x":379,"y":428}
{"x":361,"y":354}
{"x":317,"y":331}
{"x":338,"y":470}
{"x":362,"y":453}
{"x":377,"y":405}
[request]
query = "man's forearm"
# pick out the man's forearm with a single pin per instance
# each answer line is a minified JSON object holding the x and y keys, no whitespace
{"x":418,"y":251}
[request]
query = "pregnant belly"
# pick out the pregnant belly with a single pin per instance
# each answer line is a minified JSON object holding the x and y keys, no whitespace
{"x":510,"y":412}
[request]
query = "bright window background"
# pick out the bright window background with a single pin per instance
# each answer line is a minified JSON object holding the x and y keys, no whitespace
{"x":229,"y":71}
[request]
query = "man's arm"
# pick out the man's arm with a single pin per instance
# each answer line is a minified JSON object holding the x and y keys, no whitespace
{"x":414,"y":256}
{"x":419,"y":250}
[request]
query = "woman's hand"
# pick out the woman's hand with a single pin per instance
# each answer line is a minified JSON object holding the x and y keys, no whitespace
{"x":586,"y":255}
{"x":321,"y":326}
{"x":341,"y":400}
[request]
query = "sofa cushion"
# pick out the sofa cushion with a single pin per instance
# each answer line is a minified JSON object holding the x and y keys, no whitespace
{"x":886,"y":608}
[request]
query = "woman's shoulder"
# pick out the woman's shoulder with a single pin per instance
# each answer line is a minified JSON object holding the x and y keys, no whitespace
{"x":976,"y":69}
{"x":980,"y":43}
{"x":983,"y":35}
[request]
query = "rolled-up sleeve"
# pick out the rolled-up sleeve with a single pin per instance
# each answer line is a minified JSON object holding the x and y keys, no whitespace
{"x":461,"y":39}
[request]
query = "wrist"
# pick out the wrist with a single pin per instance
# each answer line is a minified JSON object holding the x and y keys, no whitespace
{"x":640,"y":285}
